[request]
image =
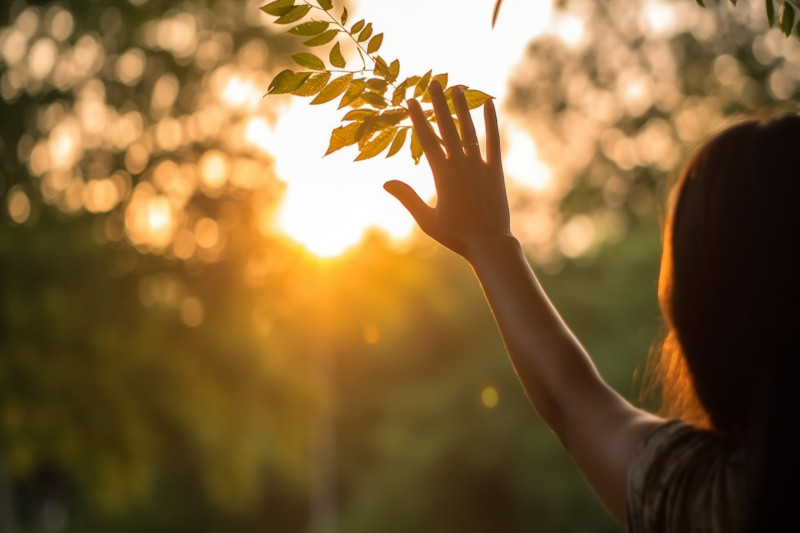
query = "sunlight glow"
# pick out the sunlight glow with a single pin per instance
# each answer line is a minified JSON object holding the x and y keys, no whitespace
{"x":521,"y":160}
{"x":331,"y":202}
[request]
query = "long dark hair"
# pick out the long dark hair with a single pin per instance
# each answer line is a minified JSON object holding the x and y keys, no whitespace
{"x":729,"y":290}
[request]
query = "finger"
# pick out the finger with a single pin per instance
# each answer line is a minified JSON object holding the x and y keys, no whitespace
{"x":427,"y":137}
{"x":492,"y":135}
{"x":421,"y":211}
{"x":447,"y":128}
{"x":468,"y":134}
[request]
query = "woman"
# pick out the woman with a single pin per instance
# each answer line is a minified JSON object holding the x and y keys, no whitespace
{"x":726,"y":302}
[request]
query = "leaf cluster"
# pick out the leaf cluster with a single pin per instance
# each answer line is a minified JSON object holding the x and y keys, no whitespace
{"x":786,"y":15}
{"x":378,"y":119}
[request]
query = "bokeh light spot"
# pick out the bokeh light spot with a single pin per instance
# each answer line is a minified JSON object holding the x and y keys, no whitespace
{"x":490,"y":397}
{"x":19,"y":206}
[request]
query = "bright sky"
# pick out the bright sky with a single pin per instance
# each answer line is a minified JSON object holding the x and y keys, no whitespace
{"x":332,"y":201}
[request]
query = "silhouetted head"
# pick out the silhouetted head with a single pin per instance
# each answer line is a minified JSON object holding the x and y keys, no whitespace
{"x":729,"y":289}
{"x":730,"y":274}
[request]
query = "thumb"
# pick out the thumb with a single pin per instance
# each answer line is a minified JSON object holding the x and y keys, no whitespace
{"x":411,"y":201}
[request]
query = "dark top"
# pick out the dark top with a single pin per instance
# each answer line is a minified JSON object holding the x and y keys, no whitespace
{"x":686,"y":480}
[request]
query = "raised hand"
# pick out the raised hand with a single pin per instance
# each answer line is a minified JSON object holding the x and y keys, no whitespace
{"x":471,"y":209}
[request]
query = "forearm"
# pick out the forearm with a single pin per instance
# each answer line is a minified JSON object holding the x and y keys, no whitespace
{"x":551,"y":364}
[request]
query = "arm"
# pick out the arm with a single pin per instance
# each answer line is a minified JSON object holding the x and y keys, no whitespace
{"x":599,"y":429}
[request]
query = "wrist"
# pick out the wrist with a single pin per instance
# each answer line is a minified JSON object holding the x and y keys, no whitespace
{"x":490,"y":247}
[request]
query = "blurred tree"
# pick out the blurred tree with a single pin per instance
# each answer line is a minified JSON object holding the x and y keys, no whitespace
{"x":157,"y":336}
{"x":134,"y":183}
{"x":619,"y":94}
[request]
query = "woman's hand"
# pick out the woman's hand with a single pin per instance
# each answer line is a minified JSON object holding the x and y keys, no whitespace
{"x":471,"y":209}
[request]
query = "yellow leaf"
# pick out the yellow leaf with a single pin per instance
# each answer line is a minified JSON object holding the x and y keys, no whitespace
{"x":378,"y":85}
{"x":360,"y":114}
{"x":314,"y":84}
{"x":398,"y":142}
{"x":343,"y":136}
{"x":442,"y":79}
{"x":306,"y":29}
{"x":366,"y":33}
{"x":353,"y":91}
{"x":336,"y":57}
{"x":416,"y":148}
{"x":374,"y":43}
{"x":322,"y":38}
{"x":287,"y":81}
{"x":374,"y":99}
{"x":422,"y":85}
{"x":357,"y":26}
{"x":304,"y":59}
{"x":399,"y":94}
{"x":475,"y":98}
{"x":278,"y":7}
{"x":295,"y":14}
{"x":333,"y":89}
{"x":377,"y":145}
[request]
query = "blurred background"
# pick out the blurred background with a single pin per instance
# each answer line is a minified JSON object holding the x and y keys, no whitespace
{"x":205,"y":326}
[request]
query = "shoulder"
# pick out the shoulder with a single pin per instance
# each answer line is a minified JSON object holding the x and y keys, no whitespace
{"x":683,"y":478}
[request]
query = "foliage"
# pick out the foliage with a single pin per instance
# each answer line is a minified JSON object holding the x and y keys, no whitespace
{"x":786,"y":16}
{"x":378,"y":119}
{"x":617,"y":110}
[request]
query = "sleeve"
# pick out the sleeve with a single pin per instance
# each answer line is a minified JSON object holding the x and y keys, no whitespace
{"x":684,"y":479}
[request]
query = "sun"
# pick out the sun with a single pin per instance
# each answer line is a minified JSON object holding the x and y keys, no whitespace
{"x":331,"y":202}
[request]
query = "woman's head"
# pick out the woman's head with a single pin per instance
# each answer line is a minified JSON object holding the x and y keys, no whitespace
{"x":729,"y":284}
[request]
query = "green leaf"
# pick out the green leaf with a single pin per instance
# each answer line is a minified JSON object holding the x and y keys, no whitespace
{"x":442,"y":79}
{"x":287,"y":81}
{"x":353,"y":91}
{"x":700,"y":3}
{"x":786,"y":19}
{"x":304,"y":59}
{"x":475,"y":98}
{"x":770,"y":13}
{"x":398,"y":142}
{"x":342,"y":136}
{"x":357,"y":27}
{"x":366,"y":33}
{"x":374,"y":43}
{"x":322,"y":38}
{"x":278,"y":7}
{"x":360,"y":114}
{"x":378,"y":85}
{"x":314,"y":27}
{"x":344,"y":16}
{"x":294,"y":15}
{"x":336,"y":57}
{"x":326,"y":4}
{"x":416,"y":148}
{"x":374,"y":99}
{"x":377,"y":145}
{"x":314,"y":84}
{"x":333,"y":89}
{"x":422,"y":86}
